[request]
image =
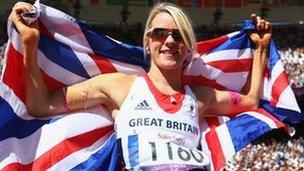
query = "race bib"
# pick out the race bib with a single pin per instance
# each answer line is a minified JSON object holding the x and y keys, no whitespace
{"x":142,"y":152}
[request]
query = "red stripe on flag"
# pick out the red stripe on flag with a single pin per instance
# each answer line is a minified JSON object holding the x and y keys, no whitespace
{"x":278,"y":87}
{"x":200,"y":80}
{"x":62,"y":150}
{"x":206,"y":46}
{"x":14,"y":72}
{"x":104,"y":65}
{"x":238,"y":65}
{"x":217,"y":155}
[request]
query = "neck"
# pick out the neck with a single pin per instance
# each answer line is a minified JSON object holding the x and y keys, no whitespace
{"x":166,"y":81}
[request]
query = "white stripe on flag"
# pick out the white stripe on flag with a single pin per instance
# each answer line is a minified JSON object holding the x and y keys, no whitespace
{"x":16,"y":41}
{"x":233,"y":34}
{"x":276,"y":71}
{"x":231,"y":54}
{"x":204,"y":130}
{"x":287,"y":100}
{"x":226,"y":143}
{"x":223,"y":119}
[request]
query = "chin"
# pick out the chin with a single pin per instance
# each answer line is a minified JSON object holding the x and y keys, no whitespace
{"x":167,"y":62}
{"x":169,"y":65}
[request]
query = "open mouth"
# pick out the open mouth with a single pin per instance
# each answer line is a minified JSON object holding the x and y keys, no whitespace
{"x":169,"y":52}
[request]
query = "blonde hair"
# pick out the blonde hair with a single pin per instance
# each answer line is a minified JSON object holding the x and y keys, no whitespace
{"x":181,"y":19}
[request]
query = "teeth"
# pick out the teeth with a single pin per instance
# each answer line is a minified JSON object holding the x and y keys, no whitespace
{"x":166,"y":51}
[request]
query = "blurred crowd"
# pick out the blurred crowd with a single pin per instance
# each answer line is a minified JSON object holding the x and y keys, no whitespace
{"x":270,"y":155}
{"x":275,"y":150}
{"x":266,"y":153}
{"x":293,"y":60}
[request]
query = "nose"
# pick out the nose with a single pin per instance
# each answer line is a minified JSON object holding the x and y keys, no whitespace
{"x":169,"y":40}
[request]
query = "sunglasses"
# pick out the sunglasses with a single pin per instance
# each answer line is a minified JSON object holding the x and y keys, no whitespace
{"x":161,"y":34}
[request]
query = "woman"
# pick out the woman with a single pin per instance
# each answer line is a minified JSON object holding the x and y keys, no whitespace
{"x":153,"y":112}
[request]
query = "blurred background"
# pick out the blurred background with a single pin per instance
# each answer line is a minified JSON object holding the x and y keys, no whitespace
{"x":124,"y":20}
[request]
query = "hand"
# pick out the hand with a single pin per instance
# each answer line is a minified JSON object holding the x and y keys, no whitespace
{"x":262,"y":35}
{"x":29,"y":33}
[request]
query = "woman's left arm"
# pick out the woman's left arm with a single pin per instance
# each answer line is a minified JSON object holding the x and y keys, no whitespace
{"x":227,"y":102}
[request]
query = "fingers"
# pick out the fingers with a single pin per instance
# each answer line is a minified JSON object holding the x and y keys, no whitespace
{"x":260,"y":23}
{"x":268,"y":26}
{"x":17,"y":10}
{"x":20,"y":8}
{"x":257,"y":21}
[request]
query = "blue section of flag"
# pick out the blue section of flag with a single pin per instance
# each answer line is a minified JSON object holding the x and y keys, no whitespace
{"x":274,"y":55}
{"x":238,"y":41}
{"x":107,"y":158}
{"x":244,"y":129}
{"x":13,"y":126}
{"x":282,"y":114}
{"x":62,"y":55}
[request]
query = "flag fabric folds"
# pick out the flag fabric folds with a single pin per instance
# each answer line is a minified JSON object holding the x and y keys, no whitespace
{"x":71,"y":52}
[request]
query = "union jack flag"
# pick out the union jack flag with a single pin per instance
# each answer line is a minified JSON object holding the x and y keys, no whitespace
{"x":71,"y":52}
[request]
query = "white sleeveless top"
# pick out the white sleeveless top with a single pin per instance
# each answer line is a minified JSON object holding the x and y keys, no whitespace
{"x":159,"y":135}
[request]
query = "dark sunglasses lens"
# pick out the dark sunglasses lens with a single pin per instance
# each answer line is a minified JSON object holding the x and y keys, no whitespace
{"x":177,"y":36}
{"x":160,"y":33}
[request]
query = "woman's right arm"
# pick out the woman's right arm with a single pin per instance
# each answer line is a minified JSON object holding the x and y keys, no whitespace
{"x":40,"y":102}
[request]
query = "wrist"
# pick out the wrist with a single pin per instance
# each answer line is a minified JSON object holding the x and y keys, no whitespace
{"x":30,"y":39}
{"x":30,"y":43}
{"x":261,"y":48}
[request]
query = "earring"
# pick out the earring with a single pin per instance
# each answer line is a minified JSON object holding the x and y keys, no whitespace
{"x":148,"y":51}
